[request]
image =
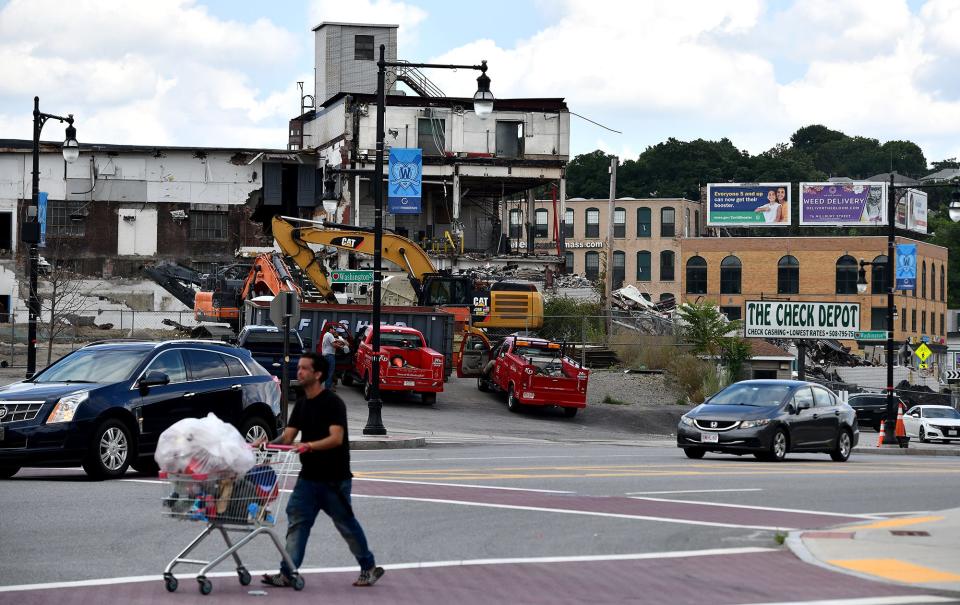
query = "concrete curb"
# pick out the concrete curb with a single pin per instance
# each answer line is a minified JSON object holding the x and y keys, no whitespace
{"x":896,"y":451}
{"x":386,"y":443}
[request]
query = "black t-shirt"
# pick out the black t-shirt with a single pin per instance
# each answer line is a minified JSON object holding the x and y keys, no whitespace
{"x":314,"y":417}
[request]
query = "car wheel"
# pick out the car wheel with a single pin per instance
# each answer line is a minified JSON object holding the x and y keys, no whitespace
{"x":778,"y":447}
{"x":108,"y":454}
{"x":512,"y":403}
{"x":146,"y":466}
{"x":570,"y":412}
{"x":254,"y":428}
{"x":8,"y":471}
{"x":694,"y":452}
{"x":428,"y":398}
{"x":923,"y":436}
{"x":844,"y":446}
{"x":483,"y":385}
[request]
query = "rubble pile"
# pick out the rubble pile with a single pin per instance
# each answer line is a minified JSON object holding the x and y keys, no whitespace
{"x":572,"y":280}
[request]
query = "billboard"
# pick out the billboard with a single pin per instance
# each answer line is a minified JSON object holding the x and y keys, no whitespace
{"x":856,"y":204}
{"x":801,"y":320}
{"x":911,"y":210}
{"x":404,"y":180}
{"x":906,"y":267}
{"x":748,"y":204}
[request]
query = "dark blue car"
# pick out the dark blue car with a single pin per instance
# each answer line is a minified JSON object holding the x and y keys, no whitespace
{"x":104,"y":406}
{"x":768,"y":418}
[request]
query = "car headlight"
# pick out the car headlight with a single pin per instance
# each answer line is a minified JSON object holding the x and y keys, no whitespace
{"x":749,"y":424}
{"x":67,"y":407}
{"x":687,"y":421}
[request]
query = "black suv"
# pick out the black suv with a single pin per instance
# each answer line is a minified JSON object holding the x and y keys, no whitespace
{"x":871,"y":408}
{"x":105,"y":405}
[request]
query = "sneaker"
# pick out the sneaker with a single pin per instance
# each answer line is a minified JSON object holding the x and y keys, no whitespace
{"x":276,"y":579}
{"x":369,"y":577}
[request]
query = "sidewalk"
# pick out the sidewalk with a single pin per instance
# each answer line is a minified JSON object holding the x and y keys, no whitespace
{"x":918,"y":550}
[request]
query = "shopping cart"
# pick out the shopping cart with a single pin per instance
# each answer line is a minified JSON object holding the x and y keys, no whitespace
{"x":230,"y":503}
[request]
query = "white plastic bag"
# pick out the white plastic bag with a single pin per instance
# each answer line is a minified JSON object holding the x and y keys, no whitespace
{"x":203,"y":445}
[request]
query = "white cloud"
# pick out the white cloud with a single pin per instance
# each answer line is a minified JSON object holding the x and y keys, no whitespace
{"x":383,"y":12}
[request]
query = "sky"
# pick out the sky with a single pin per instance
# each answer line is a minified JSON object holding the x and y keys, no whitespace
{"x":225,"y":72}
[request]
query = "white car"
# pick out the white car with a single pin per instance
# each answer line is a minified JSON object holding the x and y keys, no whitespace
{"x":932,"y":423}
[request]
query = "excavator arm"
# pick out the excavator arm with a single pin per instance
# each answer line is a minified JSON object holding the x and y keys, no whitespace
{"x":399,"y":250}
{"x":269,"y":276}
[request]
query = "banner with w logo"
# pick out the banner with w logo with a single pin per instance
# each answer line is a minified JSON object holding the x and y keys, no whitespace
{"x":403,"y":182}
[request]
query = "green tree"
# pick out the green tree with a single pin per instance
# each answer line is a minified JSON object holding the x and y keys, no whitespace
{"x":946,"y":233}
{"x":706,"y":328}
{"x":588,"y":175}
{"x":906,"y":158}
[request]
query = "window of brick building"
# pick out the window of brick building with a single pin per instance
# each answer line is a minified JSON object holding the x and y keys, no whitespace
{"x":923,"y":322}
{"x":913,"y":320}
{"x":933,"y":282}
{"x":542,"y":219}
{"x":696,"y":275}
{"x":732,"y":313}
{"x":643,"y":266}
{"x":568,"y":223}
{"x":878,"y":275}
{"x":878,"y":318}
{"x":788,"y":275}
{"x":568,"y":264}
{"x":592,"y":266}
{"x":58,"y":219}
{"x":619,"y":268}
{"x":592,"y":226}
{"x":619,"y":223}
{"x":668,"y":219}
{"x":516,"y":224}
{"x":208,"y":226}
{"x":903,"y":319}
{"x":846,"y":275}
{"x":666,"y":265}
{"x":363,"y":48}
{"x":643,"y":222}
{"x":923,"y":280}
{"x":730,"y":271}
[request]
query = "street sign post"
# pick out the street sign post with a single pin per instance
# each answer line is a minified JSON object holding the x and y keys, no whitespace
{"x":923,"y":352}
{"x":285,"y":310}
{"x":871,"y":335}
{"x":351,"y":276}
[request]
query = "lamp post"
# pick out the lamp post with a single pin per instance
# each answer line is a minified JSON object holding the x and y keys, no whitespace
{"x":890,"y":426}
{"x":30,"y":230}
{"x":483,"y":107}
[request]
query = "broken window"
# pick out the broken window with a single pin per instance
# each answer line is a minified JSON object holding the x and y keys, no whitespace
{"x":516,"y":224}
{"x":208,"y":226}
{"x":643,"y":222}
{"x":509,"y":139}
{"x":363,"y":48}
{"x":542,"y":220}
{"x":430,"y":135}
{"x":593,"y":223}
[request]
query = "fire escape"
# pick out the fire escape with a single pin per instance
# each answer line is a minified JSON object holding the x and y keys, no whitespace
{"x":416,"y":80}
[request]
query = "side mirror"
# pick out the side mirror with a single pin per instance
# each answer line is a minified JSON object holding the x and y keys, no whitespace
{"x":804,"y":405}
{"x":152,"y":379}
{"x":478,"y":346}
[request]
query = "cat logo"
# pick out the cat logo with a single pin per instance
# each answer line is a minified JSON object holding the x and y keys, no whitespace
{"x":347,"y":242}
{"x":481,"y":301}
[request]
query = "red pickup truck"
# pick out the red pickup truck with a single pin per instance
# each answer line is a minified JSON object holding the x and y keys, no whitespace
{"x":407,"y":364}
{"x":531,"y":371}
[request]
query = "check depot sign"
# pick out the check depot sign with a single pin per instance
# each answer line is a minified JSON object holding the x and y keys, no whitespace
{"x":796,"y":319}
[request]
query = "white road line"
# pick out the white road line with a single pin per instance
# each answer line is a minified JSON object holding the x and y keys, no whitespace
{"x":144,"y":480}
{"x":359,"y":459}
{"x":579,"y":512}
{"x":770,"y":508}
{"x":698,"y":491}
{"x":679,"y":554}
{"x":512,"y":489}
{"x":901,"y":600}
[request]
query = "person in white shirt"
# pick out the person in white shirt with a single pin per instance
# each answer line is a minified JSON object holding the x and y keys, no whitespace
{"x":329,"y":345}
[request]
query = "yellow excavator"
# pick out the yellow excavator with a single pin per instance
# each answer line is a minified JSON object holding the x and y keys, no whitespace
{"x":513,"y":305}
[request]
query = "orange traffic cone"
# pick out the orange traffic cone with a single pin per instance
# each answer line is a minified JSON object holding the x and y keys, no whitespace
{"x":901,"y":430}
{"x":880,"y":434}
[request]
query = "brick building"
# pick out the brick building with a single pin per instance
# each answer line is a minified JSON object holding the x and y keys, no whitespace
{"x":732,"y":270}
{"x":646,"y":236}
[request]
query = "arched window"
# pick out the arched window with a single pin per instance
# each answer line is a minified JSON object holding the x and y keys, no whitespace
{"x":923,"y":280}
{"x":788,"y":275}
{"x":643,"y":266}
{"x":668,"y":220}
{"x":878,"y":275}
{"x":643,"y":222}
{"x":592,"y":266}
{"x":619,"y":222}
{"x":696,"y":275}
{"x":568,"y":223}
{"x":619,"y":268}
{"x":516,"y":224}
{"x":943,"y":288}
{"x":846,"y":275}
{"x":933,"y":291}
{"x":666,"y":265}
{"x":568,"y":262}
{"x":592,"y":227}
{"x":542,"y":220}
{"x":730,"y":269}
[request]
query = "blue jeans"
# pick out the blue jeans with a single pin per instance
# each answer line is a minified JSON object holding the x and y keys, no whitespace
{"x":332,"y":365}
{"x":306,"y":502}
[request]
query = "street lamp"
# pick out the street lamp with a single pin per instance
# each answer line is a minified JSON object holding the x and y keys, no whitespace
{"x":30,"y":230}
{"x":483,"y":107}
{"x":890,"y":426}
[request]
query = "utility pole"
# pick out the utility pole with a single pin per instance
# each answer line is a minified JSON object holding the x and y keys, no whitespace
{"x":609,"y":270}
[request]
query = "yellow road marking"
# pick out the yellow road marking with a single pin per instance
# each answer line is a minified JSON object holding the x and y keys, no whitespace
{"x":896,"y":570}
{"x":891,"y":523}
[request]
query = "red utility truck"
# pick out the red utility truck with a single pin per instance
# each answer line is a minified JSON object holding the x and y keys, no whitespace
{"x":531,"y":371}
{"x":406,"y":363}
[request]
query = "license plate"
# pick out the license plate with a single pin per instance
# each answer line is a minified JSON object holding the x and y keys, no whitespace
{"x":951,"y":433}
{"x":408,"y":383}
{"x":709,"y":438}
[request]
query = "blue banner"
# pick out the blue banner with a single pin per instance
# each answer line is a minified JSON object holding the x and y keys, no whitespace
{"x":404,"y":180}
{"x":42,"y":217}
{"x":906,"y":265}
